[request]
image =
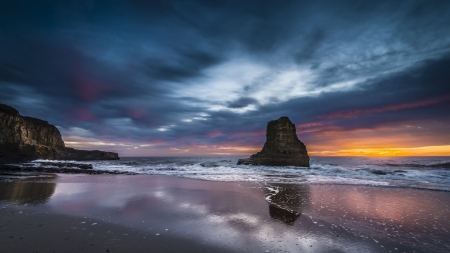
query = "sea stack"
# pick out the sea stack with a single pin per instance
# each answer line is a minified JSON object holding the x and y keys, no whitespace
{"x":282,"y":147}
{"x":25,"y":138}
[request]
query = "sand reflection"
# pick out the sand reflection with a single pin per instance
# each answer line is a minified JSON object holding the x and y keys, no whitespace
{"x":250,"y":217}
{"x":27,"y":191}
{"x":287,"y":201}
{"x":390,"y":206}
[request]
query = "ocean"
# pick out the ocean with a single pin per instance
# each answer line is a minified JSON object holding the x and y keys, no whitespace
{"x":431,"y":173}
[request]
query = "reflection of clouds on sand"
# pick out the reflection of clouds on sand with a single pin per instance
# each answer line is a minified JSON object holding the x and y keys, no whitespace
{"x":83,"y":193}
{"x":198,"y":209}
{"x":245,"y":218}
{"x":103,"y":194}
{"x":224,"y":214}
{"x":161,"y":194}
{"x":390,"y":206}
{"x":274,"y":217}
{"x":230,"y":228}
{"x":376,"y":203}
{"x":208,"y":215}
{"x":68,"y":189}
{"x":385,"y":216}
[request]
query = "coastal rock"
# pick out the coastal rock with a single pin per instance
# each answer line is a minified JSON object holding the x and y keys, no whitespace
{"x":14,"y":170}
{"x":282,"y":147}
{"x":25,"y":138}
{"x":83,"y":166}
{"x":87,"y":155}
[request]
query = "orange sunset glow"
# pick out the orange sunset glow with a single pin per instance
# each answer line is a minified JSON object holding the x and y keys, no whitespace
{"x":377,"y":142}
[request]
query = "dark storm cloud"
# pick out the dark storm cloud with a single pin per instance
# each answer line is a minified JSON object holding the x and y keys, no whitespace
{"x":190,"y":64}
{"x":206,"y":72}
{"x":421,"y":93}
{"x":310,"y":46}
{"x":242,"y":102}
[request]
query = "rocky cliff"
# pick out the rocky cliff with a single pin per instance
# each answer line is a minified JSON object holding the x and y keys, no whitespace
{"x":282,"y":147}
{"x":24,"y":138}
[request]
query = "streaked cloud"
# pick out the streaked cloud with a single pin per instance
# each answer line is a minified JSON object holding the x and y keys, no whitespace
{"x":403,"y":106}
{"x":194,"y":74}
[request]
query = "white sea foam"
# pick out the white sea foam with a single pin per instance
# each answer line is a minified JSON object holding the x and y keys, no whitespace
{"x":430,"y":173}
{"x":272,"y":192}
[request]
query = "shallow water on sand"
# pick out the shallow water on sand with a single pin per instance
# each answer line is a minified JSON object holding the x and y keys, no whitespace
{"x":243,"y":216}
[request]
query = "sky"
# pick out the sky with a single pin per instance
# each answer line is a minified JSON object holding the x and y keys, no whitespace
{"x":203,"y":77}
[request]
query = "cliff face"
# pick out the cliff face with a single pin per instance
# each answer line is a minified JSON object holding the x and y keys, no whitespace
{"x":18,"y":130}
{"x":282,"y":147}
{"x":24,"y":138}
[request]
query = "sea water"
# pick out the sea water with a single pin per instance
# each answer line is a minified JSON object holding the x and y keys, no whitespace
{"x":411,"y":172}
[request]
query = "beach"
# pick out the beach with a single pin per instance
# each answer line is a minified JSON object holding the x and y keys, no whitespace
{"x":154,"y":213}
{"x":225,"y":126}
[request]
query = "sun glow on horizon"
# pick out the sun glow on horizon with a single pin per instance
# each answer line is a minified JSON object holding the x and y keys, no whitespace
{"x":415,"y":151}
{"x":321,"y":139}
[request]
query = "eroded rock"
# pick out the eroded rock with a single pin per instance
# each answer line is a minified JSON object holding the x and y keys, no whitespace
{"x":282,"y":147}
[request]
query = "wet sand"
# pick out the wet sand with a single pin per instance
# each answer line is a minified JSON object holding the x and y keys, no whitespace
{"x":141,"y":213}
{"x":28,"y":231}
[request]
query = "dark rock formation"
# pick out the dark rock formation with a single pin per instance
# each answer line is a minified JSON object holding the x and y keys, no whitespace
{"x":83,"y":166}
{"x":282,"y":147}
{"x":25,"y":138}
{"x":88,"y":155}
{"x":10,"y":169}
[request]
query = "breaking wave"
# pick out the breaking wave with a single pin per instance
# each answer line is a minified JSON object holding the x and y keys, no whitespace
{"x":414,"y":172}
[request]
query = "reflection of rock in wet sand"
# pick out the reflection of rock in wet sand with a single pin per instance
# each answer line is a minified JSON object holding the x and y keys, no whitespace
{"x":24,"y":191}
{"x":286,"y":201}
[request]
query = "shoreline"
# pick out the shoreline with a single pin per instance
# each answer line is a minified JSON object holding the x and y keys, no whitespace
{"x":227,"y":216}
{"x":7,"y":170}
